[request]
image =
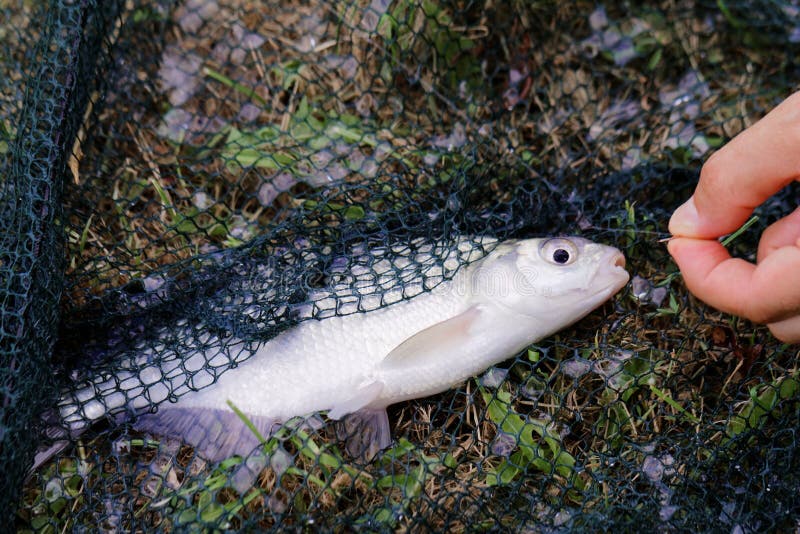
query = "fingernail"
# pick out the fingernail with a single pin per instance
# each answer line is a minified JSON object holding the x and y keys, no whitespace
{"x":685,"y":220}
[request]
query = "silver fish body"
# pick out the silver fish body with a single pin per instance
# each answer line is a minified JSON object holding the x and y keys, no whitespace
{"x":359,"y":363}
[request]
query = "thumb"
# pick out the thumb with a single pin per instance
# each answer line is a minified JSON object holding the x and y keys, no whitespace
{"x":787,"y":330}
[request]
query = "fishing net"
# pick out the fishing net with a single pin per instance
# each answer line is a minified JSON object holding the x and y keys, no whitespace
{"x":184,"y":178}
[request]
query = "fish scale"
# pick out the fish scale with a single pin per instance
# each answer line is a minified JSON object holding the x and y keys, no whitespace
{"x":324,"y":357}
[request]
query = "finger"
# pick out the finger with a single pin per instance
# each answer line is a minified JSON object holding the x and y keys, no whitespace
{"x":782,"y":233}
{"x":743,"y":174}
{"x":767,"y":293}
{"x":787,"y":330}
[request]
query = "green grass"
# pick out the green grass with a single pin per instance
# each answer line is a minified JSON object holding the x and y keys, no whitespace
{"x":766,"y":401}
{"x":537,"y":445}
{"x":731,"y":238}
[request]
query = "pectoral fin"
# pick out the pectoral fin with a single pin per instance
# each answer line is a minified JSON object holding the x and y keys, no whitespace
{"x":440,"y":337}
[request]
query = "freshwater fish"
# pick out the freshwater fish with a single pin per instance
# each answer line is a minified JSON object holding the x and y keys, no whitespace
{"x":356,"y":364}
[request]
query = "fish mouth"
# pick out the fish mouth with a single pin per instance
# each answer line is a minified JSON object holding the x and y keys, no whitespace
{"x":619,"y":269}
{"x":613,"y":270}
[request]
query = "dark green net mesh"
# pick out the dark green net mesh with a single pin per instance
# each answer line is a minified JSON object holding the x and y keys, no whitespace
{"x":176,"y":175}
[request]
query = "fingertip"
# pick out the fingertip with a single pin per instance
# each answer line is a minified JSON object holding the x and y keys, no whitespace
{"x":689,"y":252}
{"x":674,"y":247}
{"x":698,"y":261}
{"x":765,"y":293}
{"x":685,"y":220}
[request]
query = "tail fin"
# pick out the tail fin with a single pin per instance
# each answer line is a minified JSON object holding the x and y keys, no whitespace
{"x":57,"y":438}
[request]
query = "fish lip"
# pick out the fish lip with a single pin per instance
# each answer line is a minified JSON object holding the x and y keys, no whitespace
{"x":624,"y":276}
{"x":623,"y":272}
{"x":610,"y":289}
{"x":617,"y":282}
{"x":612,"y":267}
{"x":617,"y":285}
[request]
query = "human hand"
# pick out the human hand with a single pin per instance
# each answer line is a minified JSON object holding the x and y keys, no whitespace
{"x":753,"y":166}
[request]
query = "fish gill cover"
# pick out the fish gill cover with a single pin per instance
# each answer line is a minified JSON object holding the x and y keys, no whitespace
{"x":176,"y":175}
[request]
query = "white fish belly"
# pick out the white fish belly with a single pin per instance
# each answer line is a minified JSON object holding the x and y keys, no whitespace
{"x":319,"y":364}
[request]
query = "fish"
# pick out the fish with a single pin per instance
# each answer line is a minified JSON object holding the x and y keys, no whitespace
{"x":420,"y":336}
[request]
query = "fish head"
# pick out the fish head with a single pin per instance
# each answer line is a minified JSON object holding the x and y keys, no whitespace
{"x":557,"y":279}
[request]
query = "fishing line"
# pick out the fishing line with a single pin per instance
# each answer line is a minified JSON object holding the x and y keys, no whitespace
{"x":724,"y":240}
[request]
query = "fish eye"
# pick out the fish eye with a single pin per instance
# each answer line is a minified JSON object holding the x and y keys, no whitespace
{"x":559,"y":251}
